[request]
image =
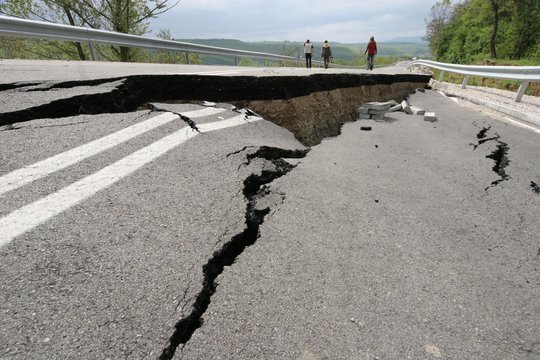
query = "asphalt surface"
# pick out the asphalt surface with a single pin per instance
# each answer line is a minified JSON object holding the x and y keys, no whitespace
{"x":55,"y":70}
{"x":107,"y":277}
{"x":392,"y":243}
{"x":409,"y":240}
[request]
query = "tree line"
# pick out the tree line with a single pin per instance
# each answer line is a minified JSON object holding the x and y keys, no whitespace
{"x":473,"y":30}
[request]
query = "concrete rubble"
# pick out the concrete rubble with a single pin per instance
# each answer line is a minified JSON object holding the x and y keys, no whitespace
{"x":405,"y":106}
{"x":377,"y":110}
{"x":417,"y":111}
{"x":430,"y":116}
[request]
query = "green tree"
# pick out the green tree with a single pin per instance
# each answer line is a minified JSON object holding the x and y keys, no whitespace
{"x":527,"y":27}
{"x":477,"y":29}
{"x":440,"y":16}
{"x":173,"y":57}
{"x":493,"y":38}
{"x":124,"y":16}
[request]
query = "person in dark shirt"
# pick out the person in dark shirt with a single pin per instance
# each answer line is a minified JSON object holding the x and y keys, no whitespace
{"x":326,"y":53}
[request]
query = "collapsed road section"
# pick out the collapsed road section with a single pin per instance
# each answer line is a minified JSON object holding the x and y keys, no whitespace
{"x":312,"y":107}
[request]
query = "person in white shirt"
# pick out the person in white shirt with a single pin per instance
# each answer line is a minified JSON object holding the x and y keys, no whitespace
{"x":308,"y":50}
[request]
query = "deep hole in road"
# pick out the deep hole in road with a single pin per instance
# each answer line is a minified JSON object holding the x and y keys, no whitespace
{"x":230,"y":251}
{"x":312,"y":107}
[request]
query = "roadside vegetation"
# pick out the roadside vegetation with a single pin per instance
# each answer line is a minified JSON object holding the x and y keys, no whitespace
{"x":123,"y":16}
{"x":486,"y":32}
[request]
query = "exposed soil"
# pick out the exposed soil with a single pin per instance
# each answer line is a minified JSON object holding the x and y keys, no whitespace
{"x":321,"y":114}
{"x":312,"y":107}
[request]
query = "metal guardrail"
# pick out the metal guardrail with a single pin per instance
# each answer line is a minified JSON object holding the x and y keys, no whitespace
{"x":43,"y":30}
{"x":524,"y":74}
{"x":23,"y":28}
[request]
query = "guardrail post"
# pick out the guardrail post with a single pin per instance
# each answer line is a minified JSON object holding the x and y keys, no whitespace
{"x":92,"y":52}
{"x":187,"y":57}
{"x":441,"y":76}
{"x":464,"y":83}
{"x":521,"y":90}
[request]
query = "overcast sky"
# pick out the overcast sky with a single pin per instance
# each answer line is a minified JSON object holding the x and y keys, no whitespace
{"x":345,"y":21}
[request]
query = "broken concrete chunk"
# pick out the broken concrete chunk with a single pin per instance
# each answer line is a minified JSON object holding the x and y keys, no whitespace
{"x":378,"y":105}
{"x":395,"y":108}
{"x":417,"y":111}
{"x":405,"y":106}
{"x":363,"y":110}
{"x":430,"y":116}
{"x":364,"y":116}
{"x":377,"y":112}
{"x":377,"y":117}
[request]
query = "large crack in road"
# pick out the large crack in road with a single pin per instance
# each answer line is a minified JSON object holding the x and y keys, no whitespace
{"x":275,"y":98}
{"x":182,"y":117}
{"x":499,"y":155}
{"x":226,"y":256}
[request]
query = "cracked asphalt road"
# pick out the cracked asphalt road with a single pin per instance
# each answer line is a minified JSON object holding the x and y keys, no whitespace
{"x":388,"y":245}
{"x":112,"y":275}
{"x":391,"y":243}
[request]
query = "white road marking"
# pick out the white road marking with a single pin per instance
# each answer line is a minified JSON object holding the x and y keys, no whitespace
{"x":30,"y":173}
{"x":36,"y":213}
{"x":454,"y":99}
{"x":234,"y":121}
{"x":521,"y":124}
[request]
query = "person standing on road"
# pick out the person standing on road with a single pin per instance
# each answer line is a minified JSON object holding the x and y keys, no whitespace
{"x":326,"y":53}
{"x":371,"y":51}
{"x":308,"y":50}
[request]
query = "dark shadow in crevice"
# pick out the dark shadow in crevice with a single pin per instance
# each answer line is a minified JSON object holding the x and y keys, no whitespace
{"x":535,"y":187}
{"x":184,"y":118}
{"x":141,"y":89}
{"x":230,"y":251}
{"x":75,"y":84}
{"x":500,"y":156}
{"x":4,"y":87}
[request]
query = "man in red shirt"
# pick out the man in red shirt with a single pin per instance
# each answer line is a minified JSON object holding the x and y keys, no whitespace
{"x":371,"y":51}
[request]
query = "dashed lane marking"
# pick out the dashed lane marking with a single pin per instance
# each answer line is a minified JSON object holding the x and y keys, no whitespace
{"x":30,"y":173}
{"x":36,"y":213}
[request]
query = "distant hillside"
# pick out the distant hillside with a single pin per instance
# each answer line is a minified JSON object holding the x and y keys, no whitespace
{"x":342,"y":52}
